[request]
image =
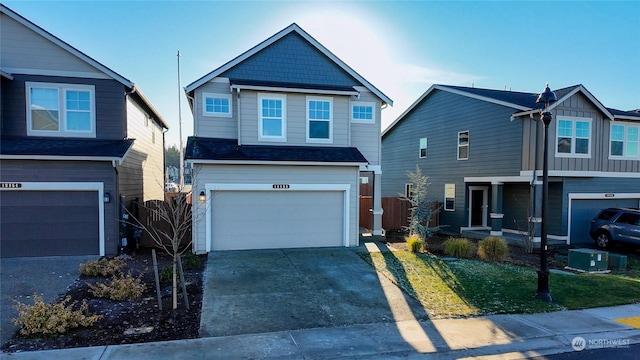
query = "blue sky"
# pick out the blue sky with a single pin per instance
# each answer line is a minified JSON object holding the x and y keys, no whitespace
{"x":402,"y":47}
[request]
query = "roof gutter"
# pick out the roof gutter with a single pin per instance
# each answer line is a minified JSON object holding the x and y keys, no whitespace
{"x":266,"y":162}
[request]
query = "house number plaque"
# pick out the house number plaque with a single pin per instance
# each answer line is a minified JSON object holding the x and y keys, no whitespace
{"x":10,"y":185}
{"x":280,"y":186}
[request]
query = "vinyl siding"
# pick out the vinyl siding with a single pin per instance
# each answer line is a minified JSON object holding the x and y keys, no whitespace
{"x":246,"y":174}
{"x":109,"y":102}
{"x":576,"y":106}
{"x":296,"y":119}
{"x":366,"y":136}
{"x":71,"y":171}
{"x":142,"y":172}
{"x":23,"y":48}
{"x":494,"y":148}
{"x":516,"y":206}
{"x":211,"y":126}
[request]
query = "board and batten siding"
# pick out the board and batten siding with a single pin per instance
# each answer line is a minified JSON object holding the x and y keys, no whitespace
{"x":22,"y":48}
{"x":365,"y":136}
{"x":214,"y":126}
{"x":494,"y":148}
{"x":577,"y":106}
{"x":71,"y":171}
{"x":142,"y":171}
{"x":109,"y":102}
{"x":268,"y":174}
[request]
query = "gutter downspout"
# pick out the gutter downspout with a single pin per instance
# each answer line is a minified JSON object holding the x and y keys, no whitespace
{"x":238,"y":114}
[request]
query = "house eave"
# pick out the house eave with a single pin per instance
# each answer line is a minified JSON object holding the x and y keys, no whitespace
{"x":293,"y":27}
{"x":63,"y":158}
{"x":278,"y":163}
{"x":295,"y":90}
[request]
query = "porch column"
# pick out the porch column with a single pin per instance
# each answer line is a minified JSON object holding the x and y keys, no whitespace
{"x":496,"y":214}
{"x":376,"y":210}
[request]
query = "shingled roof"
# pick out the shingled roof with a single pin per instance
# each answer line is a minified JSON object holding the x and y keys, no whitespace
{"x":89,"y":149}
{"x":214,"y":149}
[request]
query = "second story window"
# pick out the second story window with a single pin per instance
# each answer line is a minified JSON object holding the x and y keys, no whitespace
{"x":60,"y":110}
{"x":463,"y":145}
{"x":216,"y":105}
{"x":423,"y":148}
{"x":573,"y":137}
{"x":272,"y":122}
{"x":362,"y":112}
{"x":319,"y":120}
{"x":625,"y":141}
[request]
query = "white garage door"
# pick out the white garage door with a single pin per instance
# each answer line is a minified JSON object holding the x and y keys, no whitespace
{"x":277,"y":219}
{"x":583,"y":210}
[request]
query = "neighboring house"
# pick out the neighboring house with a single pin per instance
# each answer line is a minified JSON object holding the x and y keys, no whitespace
{"x":282,"y":135}
{"x":76,"y":137}
{"x":482,"y":150}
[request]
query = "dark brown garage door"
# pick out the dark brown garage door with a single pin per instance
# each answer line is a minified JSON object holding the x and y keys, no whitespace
{"x":49,"y":223}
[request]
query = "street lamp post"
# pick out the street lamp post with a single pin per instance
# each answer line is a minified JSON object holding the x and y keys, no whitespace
{"x":546,"y":97}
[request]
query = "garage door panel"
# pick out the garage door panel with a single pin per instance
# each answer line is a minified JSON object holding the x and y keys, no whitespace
{"x":583,"y":210}
{"x":274,"y":219}
{"x":49,"y":223}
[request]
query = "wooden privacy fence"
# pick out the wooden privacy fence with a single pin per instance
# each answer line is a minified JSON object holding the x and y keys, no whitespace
{"x":149,"y":216}
{"x":396,"y":213}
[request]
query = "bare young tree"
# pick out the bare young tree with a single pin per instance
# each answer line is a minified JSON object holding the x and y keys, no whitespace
{"x":173,"y":219}
{"x":421,"y":207}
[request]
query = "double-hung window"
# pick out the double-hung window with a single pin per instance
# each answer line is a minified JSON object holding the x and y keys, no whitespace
{"x":319,"y":119}
{"x":362,"y":112}
{"x":216,"y":105}
{"x":272,"y":121}
{"x":573,"y":137}
{"x":60,"y":110}
{"x":463,"y":145}
{"x":423,"y":148}
{"x":625,"y":142}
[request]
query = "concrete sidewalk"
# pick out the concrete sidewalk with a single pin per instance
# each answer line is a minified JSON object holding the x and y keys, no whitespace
{"x":498,"y":336}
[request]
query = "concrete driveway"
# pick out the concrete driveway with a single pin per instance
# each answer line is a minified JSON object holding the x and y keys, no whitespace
{"x":20,"y":278}
{"x":258,"y":291}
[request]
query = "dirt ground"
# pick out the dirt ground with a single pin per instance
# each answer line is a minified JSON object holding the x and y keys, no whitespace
{"x":132,"y":321}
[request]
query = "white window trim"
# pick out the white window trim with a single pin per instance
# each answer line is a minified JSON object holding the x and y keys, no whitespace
{"x":205,"y":96}
{"x":363,"y":103}
{"x":408,"y":190}
{"x":458,"y":146}
{"x":62,"y":88}
{"x":624,"y":141}
{"x":426,"y":144}
{"x":572,"y":154}
{"x":282,"y":98}
{"x":314,"y":140}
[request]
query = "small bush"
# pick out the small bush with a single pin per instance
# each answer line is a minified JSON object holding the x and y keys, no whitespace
{"x":415,"y":244}
{"x":120,"y":287}
{"x":493,"y":248}
{"x":459,"y":247}
{"x":166,"y":274}
{"x":51,"y":319}
{"x":102,"y":267}
{"x":191,"y":262}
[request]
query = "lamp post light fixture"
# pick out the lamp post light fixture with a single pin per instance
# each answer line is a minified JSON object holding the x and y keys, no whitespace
{"x":547,"y":97}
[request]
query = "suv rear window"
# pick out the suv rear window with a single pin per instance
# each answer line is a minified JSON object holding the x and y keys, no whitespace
{"x":607,"y":214}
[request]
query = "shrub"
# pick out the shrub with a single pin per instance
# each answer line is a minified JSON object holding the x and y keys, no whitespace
{"x":166,"y":274}
{"x":191,"y":262}
{"x":50,"y":319}
{"x":102,"y":267}
{"x":120,"y":287}
{"x":459,"y":247}
{"x":415,"y":244}
{"x":493,"y":248}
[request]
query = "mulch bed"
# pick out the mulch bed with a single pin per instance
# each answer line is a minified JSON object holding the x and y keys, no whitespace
{"x":131,"y":321}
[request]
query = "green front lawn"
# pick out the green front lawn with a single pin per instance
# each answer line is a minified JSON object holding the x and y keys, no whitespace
{"x":473,"y":287}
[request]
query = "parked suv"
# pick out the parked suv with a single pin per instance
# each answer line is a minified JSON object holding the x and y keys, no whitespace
{"x":616,"y":225}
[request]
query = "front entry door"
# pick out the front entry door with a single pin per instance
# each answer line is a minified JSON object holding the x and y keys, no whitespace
{"x":478,"y":204}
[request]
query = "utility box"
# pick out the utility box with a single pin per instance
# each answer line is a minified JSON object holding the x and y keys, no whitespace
{"x":617,"y":261}
{"x":588,"y":259}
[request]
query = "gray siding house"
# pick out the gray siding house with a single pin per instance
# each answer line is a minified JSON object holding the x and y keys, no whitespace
{"x":482,"y":150}
{"x":283,"y":133}
{"x":77,"y":141}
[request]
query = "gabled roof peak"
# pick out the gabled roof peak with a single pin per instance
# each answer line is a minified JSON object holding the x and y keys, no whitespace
{"x":269,"y":41}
